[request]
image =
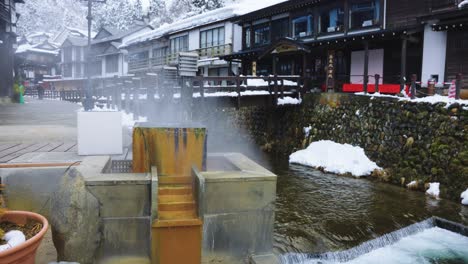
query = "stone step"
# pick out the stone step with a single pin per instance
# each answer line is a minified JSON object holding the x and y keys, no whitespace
{"x":174,"y":198}
{"x":165,"y":180}
{"x":176,"y":206}
{"x":175,"y":190}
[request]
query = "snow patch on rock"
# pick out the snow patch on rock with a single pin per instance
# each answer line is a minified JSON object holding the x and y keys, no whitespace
{"x":335,"y":158}
{"x":464,"y":197}
{"x":289,"y":101}
{"x":434,"y":189}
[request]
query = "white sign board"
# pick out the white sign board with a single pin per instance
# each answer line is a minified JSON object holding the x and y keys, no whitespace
{"x":100,"y":133}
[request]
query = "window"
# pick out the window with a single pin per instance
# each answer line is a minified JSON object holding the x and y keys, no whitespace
{"x":179,"y":44}
{"x":112,"y":63}
{"x":261,"y":34}
{"x":212,"y":38}
{"x":364,"y":14}
{"x":280,"y":28}
{"x":78,"y":54}
{"x":331,"y":20}
{"x":160,"y":52}
{"x":247,"y":39}
{"x":67,"y":70}
{"x":67,"y":54}
{"x":78,"y":70}
{"x":96,"y":68}
{"x":302,"y":26}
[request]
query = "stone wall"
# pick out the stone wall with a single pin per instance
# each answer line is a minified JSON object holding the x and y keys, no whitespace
{"x":412,"y":141}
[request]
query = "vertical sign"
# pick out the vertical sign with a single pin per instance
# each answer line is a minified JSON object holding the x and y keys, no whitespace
{"x":331,"y":70}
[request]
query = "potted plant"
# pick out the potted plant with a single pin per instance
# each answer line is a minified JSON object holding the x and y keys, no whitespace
{"x":33,"y":226}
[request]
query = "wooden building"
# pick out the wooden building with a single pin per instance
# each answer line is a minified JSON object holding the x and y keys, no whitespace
{"x":335,"y":44}
{"x":34,"y":61}
{"x":8,"y":18}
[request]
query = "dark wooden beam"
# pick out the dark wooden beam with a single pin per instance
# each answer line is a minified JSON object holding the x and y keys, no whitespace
{"x":366,"y":65}
{"x":404,"y":47}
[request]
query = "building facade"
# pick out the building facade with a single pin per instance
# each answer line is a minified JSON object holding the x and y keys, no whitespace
{"x":198,"y":37}
{"x":335,"y":44}
{"x":8,"y":18}
{"x":34,"y":62}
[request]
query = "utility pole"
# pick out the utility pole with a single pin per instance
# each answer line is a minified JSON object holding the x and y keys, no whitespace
{"x":88,"y":102}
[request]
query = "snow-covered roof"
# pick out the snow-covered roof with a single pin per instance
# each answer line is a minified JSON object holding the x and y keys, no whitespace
{"x":230,"y":11}
{"x":35,"y":48}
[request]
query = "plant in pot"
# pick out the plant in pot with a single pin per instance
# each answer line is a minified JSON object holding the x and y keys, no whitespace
{"x":20,"y":234}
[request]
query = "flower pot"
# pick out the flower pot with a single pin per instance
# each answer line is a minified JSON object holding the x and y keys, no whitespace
{"x":26,"y":252}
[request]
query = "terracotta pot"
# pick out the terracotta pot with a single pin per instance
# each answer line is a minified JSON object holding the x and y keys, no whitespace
{"x":26,"y":252}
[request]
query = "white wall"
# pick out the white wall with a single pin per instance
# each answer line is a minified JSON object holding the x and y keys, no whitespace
{"x":237,"y":43}
{"x":434,"y":54}
{"x":194,"y":39}
{"x":376,"y":59}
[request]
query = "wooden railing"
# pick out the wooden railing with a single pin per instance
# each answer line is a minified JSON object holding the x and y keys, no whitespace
{"x":141,"y":64}
{"x":215,"y":51}
{"x":146,"y":64}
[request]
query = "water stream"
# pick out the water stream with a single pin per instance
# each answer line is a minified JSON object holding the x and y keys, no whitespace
{"x":318,"y":213}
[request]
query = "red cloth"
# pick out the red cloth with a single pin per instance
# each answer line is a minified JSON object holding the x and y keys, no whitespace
{"x":383,"y":88}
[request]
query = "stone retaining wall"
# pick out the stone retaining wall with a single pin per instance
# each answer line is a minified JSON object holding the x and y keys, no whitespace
{"x":412,"y":141}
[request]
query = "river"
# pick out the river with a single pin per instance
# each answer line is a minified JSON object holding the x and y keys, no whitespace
{"x":318,"y":212}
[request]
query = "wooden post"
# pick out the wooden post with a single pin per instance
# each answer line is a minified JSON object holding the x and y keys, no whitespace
{"x":366,"y":65}
{"x":238,"y":87}
{"x":304,"y":75}
{"x":414,"y":77}
{"x":458,"y":85}
{"x":404,"y":45}
{"x":275,"y":87}
{"x":202,"y":87}
{"x":377,"y":80}
{"x":282,"y":89}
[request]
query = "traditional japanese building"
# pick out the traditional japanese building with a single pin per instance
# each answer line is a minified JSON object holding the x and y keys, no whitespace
{"x":36,"y":61}
{"x":203,"y":37}
{"x":334,"y":44}
{"x":8,"y":18}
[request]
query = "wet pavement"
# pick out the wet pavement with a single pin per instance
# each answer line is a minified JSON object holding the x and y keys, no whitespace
{"x":36,"y":121}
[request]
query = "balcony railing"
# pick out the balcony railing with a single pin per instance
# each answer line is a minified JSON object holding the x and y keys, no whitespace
{"x":140,"y":64}
{"x":146,"y":64}
{"x":215,"y":51}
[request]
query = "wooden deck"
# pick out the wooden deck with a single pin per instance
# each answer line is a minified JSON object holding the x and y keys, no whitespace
{"x":10,"y":151}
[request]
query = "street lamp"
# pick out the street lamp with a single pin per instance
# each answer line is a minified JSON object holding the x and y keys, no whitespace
{"x":88,"y":102}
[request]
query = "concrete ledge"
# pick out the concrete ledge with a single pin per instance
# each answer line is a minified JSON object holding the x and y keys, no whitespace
{"x":264,"y":259}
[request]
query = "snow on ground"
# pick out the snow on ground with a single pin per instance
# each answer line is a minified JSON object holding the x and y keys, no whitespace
{"x":433,"y":99}
{"x":464,"y":197}
{"x":335,"y":158}
{"x":434,"y":189}
{"x":289,"y":101}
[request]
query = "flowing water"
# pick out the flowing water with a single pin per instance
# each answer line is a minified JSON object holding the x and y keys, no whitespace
{"x":319,"y":213}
